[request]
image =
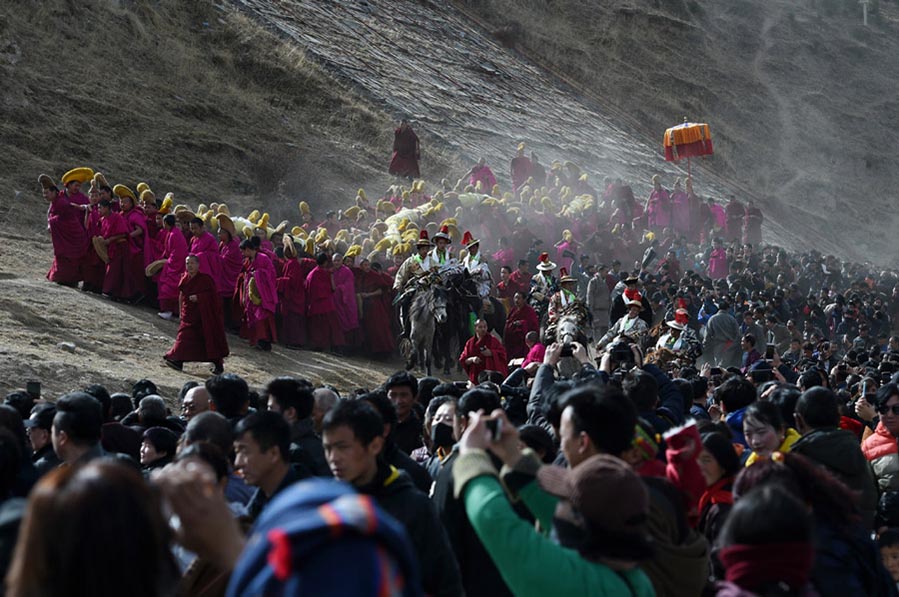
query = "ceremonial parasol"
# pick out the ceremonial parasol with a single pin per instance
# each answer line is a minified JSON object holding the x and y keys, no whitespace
{"x":687,"y":140}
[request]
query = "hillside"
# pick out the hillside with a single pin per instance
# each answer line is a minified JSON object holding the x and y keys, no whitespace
{"x":801,"y":96}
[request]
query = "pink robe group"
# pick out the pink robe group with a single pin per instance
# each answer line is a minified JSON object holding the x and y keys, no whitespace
{"x":70,"y":242}
{"x":322,"y":324}
{"x":206,"y":248}
{"x":232,"y":263}
{"x":118,"y":281}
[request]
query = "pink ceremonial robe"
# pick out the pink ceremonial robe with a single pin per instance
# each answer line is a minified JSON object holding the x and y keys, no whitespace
{"x":519,"y":322}
{"x":292,"y":301}
{"x":521,"y":169}
{"x":483,"y":175}
{"x":232,"y":263}
{"x":206,"y":247}
{"x":69,"y":240}
{"x":658,"y":209}
{"x":718,"y":216}
{"x":118,"y":281}
{"x":345,"y":299}
{"x":175,"y":252}
{"x":260,"y":319}
{"x":718,"y":263}
{"x":92,"y":266}
{"x":680,"y":212}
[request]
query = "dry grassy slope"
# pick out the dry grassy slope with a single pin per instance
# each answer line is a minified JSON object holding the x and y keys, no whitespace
{"x":802,"y":102}
{"x":189,"y":96}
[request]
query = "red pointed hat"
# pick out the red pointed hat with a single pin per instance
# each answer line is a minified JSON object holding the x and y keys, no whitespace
{"x":468,"y":240}
{"x":444,"y":234}
{"x":545,"y":265}
{"x":632,"y":297}
{"x":680,"y":321}
{"x":423,"y":240}
{"x":564,"y":277}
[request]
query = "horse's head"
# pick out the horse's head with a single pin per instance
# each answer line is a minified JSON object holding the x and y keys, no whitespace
{"x":567,"y":329}
{"x":440,"y":302}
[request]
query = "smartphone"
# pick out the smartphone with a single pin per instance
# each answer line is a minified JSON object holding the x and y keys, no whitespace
{"x":769,"y":351}
{"x":716,"y":371}
{"x":496,"y":429}
{"x":33,"y":388}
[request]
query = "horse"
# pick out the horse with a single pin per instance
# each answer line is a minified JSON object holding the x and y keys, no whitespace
{"x":569,"y":326}
{"x":427,"y":312}
{"x":462,"y":300}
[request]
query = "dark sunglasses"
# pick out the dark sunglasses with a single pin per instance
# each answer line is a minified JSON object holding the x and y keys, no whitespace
{"x":884,"y":409}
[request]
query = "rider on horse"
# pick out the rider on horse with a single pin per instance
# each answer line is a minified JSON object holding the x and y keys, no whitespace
{"x":413,"y":268}
{"x":543,"y":284}
{"x":476,"y":265}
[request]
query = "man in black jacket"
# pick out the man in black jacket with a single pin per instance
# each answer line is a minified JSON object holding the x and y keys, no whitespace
{"x":352,"y":434}
{"x":294,"y":400}
{"x":818,"y":419}
{"x":38,"y":428}
{"x":480,"y":577}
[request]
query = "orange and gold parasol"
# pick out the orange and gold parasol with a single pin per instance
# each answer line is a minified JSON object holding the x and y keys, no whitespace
{"x":687,"y":140}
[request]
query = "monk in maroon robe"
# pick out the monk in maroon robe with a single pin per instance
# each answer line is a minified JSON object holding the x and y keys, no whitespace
{"x":292,"y":297}
{"x":373,"y":290}
{"x":521,"y":319}
{"x":483,"y":352}
{"x":260,"y":296}
{"x":140,"y":245}
{"x":232,"y":264}
{"x":322,"y":325}
{"x":521,"y":169}
{"x":92,"y":267}
{"x":406,"y":152}
{"x":201,"y":333}
{"x":118,"y":283}
{"x":69,"y":238}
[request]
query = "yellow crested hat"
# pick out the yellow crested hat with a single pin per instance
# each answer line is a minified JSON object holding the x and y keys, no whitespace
{"x":351,"y":212}
{"x":167,"y":203}
{"x":223,"y":209}
{"x":100,"y":180}
{"x":310,"y":245}
{"x":147,"y":196}
{"x":254,"y":215}
{"x":141,"y":187}
{"x":121,"y":190}
{"x":361,"y":193}
{"x":321,"y":235}
{"x":263,"y":221}
{"x":81,"y":175}
{"x":304,"y":208}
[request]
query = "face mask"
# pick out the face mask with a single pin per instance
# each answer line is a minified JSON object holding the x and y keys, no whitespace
{"x":442,"y":435}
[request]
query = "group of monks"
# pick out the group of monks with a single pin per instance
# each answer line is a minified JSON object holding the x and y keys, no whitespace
{"x":330,"y":284}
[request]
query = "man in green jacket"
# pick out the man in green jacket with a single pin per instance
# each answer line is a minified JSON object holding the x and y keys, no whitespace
{"x":600,"y":519}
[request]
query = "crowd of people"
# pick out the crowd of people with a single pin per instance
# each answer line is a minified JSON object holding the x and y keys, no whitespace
{"x":725,"y":421}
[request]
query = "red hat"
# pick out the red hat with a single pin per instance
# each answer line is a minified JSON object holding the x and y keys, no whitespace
{"x":545,"y":264}
{"x":423,"y":240}
{"x":468,"y":240}
{"x":444,"y":234}
{"x":680,"y":321}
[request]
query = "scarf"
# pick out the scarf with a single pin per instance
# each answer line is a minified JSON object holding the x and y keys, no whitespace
{"x":752,"y":566}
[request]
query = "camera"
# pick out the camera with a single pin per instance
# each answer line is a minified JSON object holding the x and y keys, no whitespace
{"x":567,"y":350}
{"x":620,"y":352}
{"x":495,"y":426}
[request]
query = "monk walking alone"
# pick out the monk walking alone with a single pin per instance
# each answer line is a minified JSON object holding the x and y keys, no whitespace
{"x":201,"y":334}
{"x":406,"y":152}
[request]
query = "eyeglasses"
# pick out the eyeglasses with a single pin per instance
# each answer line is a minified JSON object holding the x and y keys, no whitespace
{"x":884,"y":409}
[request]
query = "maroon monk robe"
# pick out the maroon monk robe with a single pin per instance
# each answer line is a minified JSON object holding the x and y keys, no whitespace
{"x":520,"y":321}
{"x":92,"y":266}
{"x":69,"y":240}
{"x":118,"y":282}
{"x":377,"y":311}
{"x":404,"y":161}
{"x":322,"y":325}
{"x":201,"y":332}
{"x":292,"y":300}
{"x":141,"y":248}
{"x":497,"y":360}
